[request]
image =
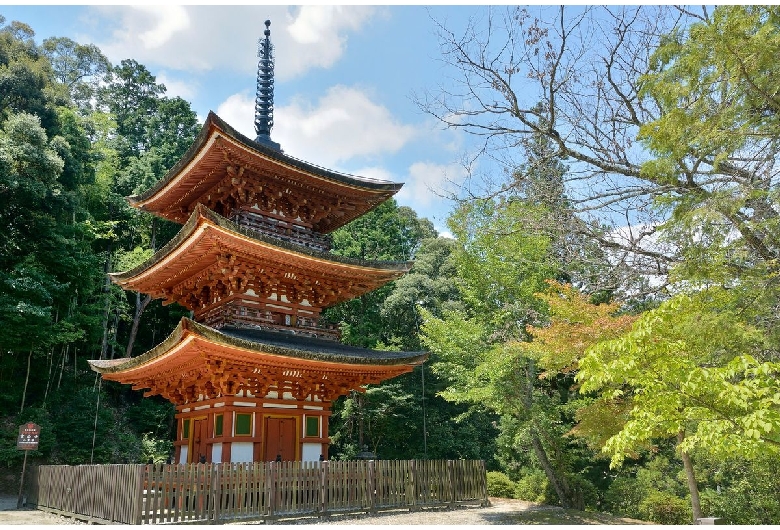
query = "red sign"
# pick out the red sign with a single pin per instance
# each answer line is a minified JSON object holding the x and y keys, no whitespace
{"x":28,"y":437}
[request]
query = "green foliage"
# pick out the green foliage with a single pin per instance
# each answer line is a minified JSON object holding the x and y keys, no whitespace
{"x":499,"y":485}
{"x":714,"y":87}
{"x":533,"y":486}
{"x":741,"y":491}
{"x":388,"y":232}
{"x":665,"y":508}
{"x":155,"y":450}
{"x":78,"y":67}
{"x":687,"y":367}
{"x":648,"y":490}
{"x":390,"y":418}
{"x":479,"y":349}
{"x":623,"y":497}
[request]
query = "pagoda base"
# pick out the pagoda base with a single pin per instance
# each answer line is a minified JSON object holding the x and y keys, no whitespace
{"x":250,"y":429}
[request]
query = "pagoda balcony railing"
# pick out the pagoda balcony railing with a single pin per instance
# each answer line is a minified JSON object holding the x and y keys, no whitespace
{"x":234,"y":314}
{"x":284,"y":230}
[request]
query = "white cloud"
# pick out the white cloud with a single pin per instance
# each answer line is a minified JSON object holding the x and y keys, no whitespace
{"x":425,"y":187}
{"x":203,"y":38}
{"x":169,"y":21}
{"x":319,"y":36}
{"x":174,"y":87}
{"x":239,"y":111}
{"x":142,"y":31}
{"x":426,"y":183}
{"x":344,"y":124}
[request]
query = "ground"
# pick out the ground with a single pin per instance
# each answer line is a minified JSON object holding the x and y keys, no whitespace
{"x":501,"y":511}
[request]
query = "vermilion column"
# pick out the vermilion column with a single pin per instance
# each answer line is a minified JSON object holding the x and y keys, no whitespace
{"x":227,"y":433}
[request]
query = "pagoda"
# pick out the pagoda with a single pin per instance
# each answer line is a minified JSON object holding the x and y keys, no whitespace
{"x":252,"y":374}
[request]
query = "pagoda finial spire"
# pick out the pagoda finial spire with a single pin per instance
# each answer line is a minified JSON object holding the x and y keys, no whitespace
{"x":264,"y":97}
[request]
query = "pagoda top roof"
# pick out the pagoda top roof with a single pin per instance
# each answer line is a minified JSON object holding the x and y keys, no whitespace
{"x":197,"y":361}
{"x":220,"y":151}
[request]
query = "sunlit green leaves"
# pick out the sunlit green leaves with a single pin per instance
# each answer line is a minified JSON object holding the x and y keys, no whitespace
{"x":688,"y":367}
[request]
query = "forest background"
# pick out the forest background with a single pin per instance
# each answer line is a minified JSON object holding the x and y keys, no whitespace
{"x":602,"y":327}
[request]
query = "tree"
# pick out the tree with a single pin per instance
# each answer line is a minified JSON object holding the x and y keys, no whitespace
{"x":78,"y":67}
{"x":476,"y":350}
{"x":668,"y":124}
{"x":24,"y":73}
{"x":571,"y":76}
{"x":687,"y":370}
{"x":386,"y":233}
{"x":152,"y":133}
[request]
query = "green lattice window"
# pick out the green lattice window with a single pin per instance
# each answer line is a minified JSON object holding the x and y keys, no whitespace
{"x":243,"y":424}
{"x":312,"y":426}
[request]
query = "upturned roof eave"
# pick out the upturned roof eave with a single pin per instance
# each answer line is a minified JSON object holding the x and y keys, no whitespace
{"x":201,"y":213}
{"x":338,"y":354}
{"x":214,"y":122}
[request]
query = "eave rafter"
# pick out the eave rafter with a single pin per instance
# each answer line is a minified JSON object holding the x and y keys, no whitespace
{"x":225,"y":170}
{"x":193,"y":367}
{"x":212,"y":259}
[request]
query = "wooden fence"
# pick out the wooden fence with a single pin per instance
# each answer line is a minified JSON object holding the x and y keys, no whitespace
{"x":163,"y":493}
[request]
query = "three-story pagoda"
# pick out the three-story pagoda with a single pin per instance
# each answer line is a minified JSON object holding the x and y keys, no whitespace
{"x":252,"y":374}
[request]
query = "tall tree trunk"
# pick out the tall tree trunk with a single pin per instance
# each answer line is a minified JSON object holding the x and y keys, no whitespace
{"x":107,"y":310}
{"x":62,"y":364}
{"x":140,"y":305}
{"x":48,"y":377}
{"x":558,"y":483}
{"x":690,"y":475}
{"x":26,"y":380}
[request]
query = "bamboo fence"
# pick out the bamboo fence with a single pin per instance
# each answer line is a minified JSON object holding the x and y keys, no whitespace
{"x":259,"y":491}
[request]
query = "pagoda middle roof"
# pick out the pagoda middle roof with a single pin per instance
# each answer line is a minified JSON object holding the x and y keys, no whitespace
{"x":219,"y":151}
{"x":210,"y":247}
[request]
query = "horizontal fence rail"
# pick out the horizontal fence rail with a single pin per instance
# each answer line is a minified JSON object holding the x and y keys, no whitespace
{"x":169,"y":493}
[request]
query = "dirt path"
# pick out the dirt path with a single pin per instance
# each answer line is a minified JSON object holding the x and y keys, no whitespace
{"x":10,"y":515}
{"x":501,"y":511}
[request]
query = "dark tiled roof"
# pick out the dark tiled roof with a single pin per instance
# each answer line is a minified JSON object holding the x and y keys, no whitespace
{"x":262,"y":341}
{"x":322,"y":347}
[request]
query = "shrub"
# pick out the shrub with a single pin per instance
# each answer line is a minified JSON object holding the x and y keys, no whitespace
{"x":623,"y":497}
{"x":744,"y":492}
{"x":534,"y":487}
{"x":499,"y":485}
{"x":585,"y":493}
{"x":665,"y":508}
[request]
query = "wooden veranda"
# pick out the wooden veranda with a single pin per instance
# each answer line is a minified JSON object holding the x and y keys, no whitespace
{"x":259,"y":491}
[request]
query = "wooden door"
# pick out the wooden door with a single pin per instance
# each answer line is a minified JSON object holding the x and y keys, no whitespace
{"x":280,"y":439}
{"x":199,"y":447}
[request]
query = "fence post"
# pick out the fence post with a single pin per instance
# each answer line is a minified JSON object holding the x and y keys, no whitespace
{"x":139,"y":496}
{"x":412,"y":485}
{"x":216,"y":494}
{"x":451,"y":477}
{"x":372,"y":485}
{"x":483,"y":482}
{"x":324,"y":488}
{"x":272,"y":488}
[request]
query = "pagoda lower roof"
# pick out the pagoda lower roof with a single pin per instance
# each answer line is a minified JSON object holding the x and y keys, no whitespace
{"x":223,"y":162}
{"x":210,"y":249}
{"x":199,"y":362}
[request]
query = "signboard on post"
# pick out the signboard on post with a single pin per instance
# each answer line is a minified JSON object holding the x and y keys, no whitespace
{"x":29,"y":433}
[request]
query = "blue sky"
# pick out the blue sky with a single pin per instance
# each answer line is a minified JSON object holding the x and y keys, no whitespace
{"x":345,"y":77}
